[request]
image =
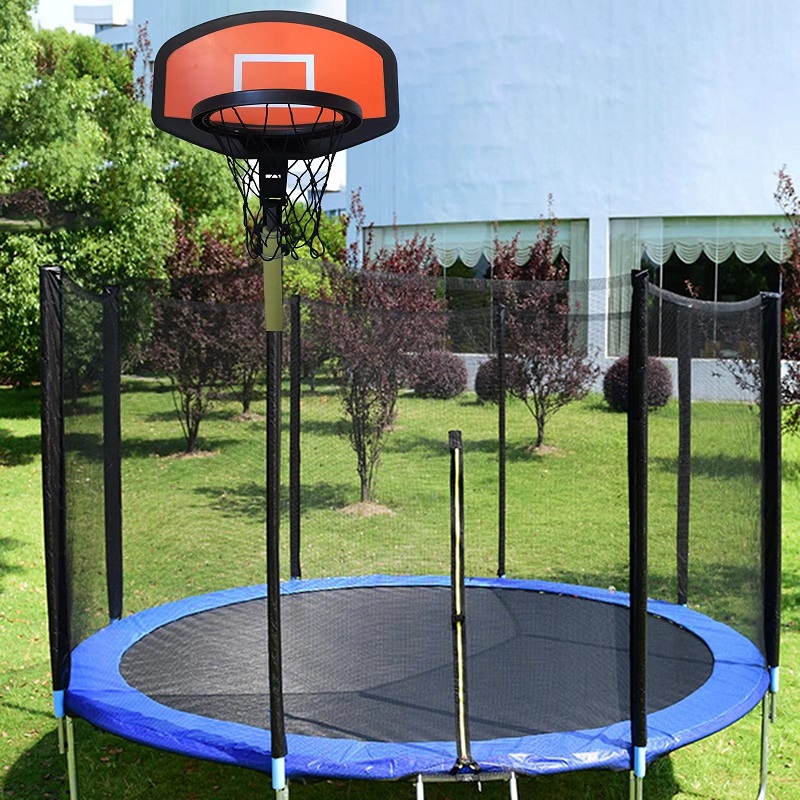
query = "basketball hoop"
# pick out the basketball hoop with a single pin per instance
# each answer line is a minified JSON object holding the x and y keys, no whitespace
{"x":278,"y":93}
{"x":279,"y":145}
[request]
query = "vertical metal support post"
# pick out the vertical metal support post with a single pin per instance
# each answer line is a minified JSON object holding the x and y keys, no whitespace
{"x":637,"y":506}
{"x":684,"y":451}
{"x":272,"y":190}
{"x":112,"y":450}
{"x":72,"y":770}
{"x":272,"y":194}
{"x":295,"y":374}
{"x":464,"y":758}
{"x":501,"y":436}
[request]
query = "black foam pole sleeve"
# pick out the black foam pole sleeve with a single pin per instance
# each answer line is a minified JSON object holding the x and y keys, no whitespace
{"x":53,"y":472}
{"x":637,"y":506}
{"x":295,"y":374}
{"x":771,"y":472}
{"x":276,"y":709}
{"x":684,"y":451}
{"x":112,"y":450}
{"x":501,"y":438}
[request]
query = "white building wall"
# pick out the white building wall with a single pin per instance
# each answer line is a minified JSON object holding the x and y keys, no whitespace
{"x":165,"y":19}
{"x":672,"y":108}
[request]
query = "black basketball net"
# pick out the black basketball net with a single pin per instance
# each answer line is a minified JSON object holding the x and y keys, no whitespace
{"x":302,"y":181}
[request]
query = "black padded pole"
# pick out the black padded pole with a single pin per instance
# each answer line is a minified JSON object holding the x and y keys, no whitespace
{"x":112,"y":450}
{"x":684,"y":451}
{"x":637,"y":503}
{"x":295,"y":374}
{"x":274,"y":356}
{"x":771,"y":472}
{"x":501,"y":438}
{"x":464,"y":759}
{"x":53,"y":477}
{"x":272,"y":192}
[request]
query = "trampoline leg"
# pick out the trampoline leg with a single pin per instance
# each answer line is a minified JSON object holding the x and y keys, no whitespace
{"x":72,"y":773}
{"x":420,"y":788}
{"x":512,"y":787}
{"x":62,"y":743}
{"x":767,"y":717}
{"x":637,"y":787}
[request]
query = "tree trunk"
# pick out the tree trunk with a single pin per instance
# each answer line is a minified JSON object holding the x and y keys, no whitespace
{"x":539,"y":432}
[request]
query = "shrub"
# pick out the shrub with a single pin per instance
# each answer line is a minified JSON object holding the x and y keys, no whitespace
{"x":487,"y":381}
{"x":615,"y":384}
{"x":439,"y":374}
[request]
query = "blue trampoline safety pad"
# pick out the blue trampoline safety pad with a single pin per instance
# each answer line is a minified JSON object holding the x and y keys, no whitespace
{"x":368,"y":677}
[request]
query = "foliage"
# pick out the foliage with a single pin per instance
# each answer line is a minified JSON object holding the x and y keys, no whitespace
{"x":487,"y":379}
{"x":542,"y":338}
{"x":75,"y":140}
{"x":202,"y":187}
{"x":615,"y":384}
{"x":17,"y":52}
{"x":374,"y":318}
{"x":208,"y":330}
{"x":438,"y":373}
{"x":789,"y":202}
{"x":19,"y":309}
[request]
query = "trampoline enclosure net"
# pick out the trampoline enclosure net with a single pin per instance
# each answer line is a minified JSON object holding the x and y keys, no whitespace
{"x":388,"y":365}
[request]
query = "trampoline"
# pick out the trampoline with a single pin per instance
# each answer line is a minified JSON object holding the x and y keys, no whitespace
{"x":368,"y":694}
{"x":425,"y":676}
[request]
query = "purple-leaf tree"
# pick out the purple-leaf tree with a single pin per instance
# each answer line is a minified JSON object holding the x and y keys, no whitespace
{"x":373,"y":320}
{"x":788,"y":200}
{"x":199,"y":334}
{"x":552,"y":367}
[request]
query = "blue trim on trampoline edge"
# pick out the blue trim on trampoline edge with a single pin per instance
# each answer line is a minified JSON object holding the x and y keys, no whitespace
{"x":98,"y":693}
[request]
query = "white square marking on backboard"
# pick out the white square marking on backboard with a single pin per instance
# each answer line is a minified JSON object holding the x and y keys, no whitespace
{"x":239,"y":59}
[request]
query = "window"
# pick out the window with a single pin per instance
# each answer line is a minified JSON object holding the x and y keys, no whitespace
{"x":713,"y":258}
{"x":469,"y":246}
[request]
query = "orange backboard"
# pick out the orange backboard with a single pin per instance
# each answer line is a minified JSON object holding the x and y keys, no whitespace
{"x":274,"y":50}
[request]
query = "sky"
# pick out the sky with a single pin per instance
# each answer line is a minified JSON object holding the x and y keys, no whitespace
{"x":60,"y":13}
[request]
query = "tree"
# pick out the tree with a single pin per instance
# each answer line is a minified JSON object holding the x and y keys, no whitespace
{"x":80,"y":178}
{"x":789,"y":202}
{"x":86,"y":181}
{"x":373,"y":321}
{"x":198,"y":331}
{"x":551,"y":368}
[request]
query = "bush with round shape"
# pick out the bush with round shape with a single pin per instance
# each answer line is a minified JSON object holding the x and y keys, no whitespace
{"x":615,"y":384}
{"x":487,"y":380}
{"x":439,"y":374}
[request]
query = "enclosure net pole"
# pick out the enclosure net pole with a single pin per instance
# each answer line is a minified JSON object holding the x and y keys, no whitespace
{"x":295,"y":374}
{"x":112,"y":450}
{"x":464,"y":758}
{"x":53,"y":479}
{"x":684,"y":450}
{"x":501,"y":432}
{"x":771,"y":475}
{"x":637,"y":504}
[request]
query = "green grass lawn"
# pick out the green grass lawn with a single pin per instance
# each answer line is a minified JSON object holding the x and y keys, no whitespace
{"x":196,"y":524}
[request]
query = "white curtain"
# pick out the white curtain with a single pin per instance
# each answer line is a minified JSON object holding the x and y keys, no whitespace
{"x":469,"y":241}
{"x":719,"y":238}
{"x":659,"y":238}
